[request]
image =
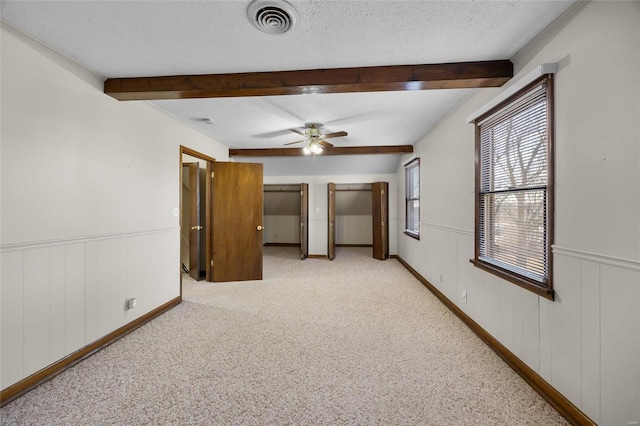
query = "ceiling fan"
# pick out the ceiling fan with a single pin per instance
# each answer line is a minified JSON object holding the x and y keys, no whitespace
{"x":314,"y":138}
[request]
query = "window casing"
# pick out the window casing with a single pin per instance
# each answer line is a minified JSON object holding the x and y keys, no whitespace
{"x":412,"y":198}
{"x":514,"y":188}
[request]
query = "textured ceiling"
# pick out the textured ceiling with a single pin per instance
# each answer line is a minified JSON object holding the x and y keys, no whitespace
{"x":151,"y":38}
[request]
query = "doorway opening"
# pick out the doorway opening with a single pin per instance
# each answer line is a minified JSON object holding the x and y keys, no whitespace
{"x":195,"y":214}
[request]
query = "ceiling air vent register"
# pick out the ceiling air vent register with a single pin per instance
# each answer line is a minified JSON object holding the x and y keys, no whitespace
{"x":273,"y":17}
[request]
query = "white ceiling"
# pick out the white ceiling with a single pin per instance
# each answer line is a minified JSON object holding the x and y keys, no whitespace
{"x":152,"y":38}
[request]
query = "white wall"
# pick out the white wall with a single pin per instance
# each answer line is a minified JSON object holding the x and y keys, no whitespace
{"x":282,"y":216}
{"x":586,"y":343}
{"x":318,"y":205}
{"x":281,"y":229}
{"x":354,"y":229}
{"x":89,"y":186}
{"x":354,"y":217}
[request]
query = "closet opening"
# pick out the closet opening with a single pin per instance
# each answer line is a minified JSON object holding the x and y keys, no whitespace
{"x":358,"y":217}
{"x":286,"y":216}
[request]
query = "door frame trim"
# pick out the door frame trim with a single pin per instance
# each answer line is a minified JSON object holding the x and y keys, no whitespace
{"x":208,"y":208}
{"x":381,"y":225}
{"x":331,"y":215}
{"x":331,"y":220}
{"x":304,"y":220}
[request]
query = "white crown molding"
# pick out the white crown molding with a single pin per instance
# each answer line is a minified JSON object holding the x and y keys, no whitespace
{"x":92,"y":77}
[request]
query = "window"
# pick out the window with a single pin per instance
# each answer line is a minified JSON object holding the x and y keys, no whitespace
{"x":412,"y":198}
{"x":514,"y":190}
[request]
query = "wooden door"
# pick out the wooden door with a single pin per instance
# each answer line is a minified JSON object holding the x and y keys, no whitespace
{"x":207,"y":233}
{"x":380,"y":209}
{"x":237,"y":221}
{"x":194,"y":221}
{"x":331,"y":226}
{"x":304,"y":220}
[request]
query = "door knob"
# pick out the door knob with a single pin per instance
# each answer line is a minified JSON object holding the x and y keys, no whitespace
{"x":260,"y":228}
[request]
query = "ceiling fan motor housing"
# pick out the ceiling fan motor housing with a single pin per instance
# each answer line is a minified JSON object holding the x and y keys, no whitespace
{"x":273,"y":17}
{"x":312,"y":132}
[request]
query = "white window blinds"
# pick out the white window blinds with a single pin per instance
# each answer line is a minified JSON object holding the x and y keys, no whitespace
{"x":512,"y":231}
{"x":412,"y":190}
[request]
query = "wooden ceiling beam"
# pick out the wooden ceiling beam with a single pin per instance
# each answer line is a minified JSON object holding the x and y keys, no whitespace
{"x":349,"y":150}
{"x":337,"y":80}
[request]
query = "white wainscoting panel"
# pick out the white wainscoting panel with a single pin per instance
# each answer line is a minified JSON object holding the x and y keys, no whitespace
{"x":57,"y":293}
{"x":494,"y":287}
{"x":12,"y":318}
{"x":74,"y":297}
{"x":167,"y":280}
{"x":506,"y":309}
{"x":601,"y":334}
{"x":108,"y":285}
{"x":564,"y":321}
{"x":590,"y":326}
{"x":620,"y":344}
{"x":36,"y":309}
{"x":59,"y":296}
{"x":91,"y":291}
{"x":135,"y":276}
{"x":531,"y":330}
{"x":586,"y":343}
{"x":518,"y":321}
{"x":546,"y":327}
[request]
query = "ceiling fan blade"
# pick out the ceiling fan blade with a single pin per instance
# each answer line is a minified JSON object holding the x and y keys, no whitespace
{"x":273,"y":134}
{"x":275,"y":105}
{"x":350,"y":119}
{"x":297,"y":131}
{"x":326,"y":144}
{"x":291,"y":143}
{"x":335,"y":135}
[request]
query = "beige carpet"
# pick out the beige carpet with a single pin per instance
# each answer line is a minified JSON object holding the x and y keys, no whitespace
{"x":353,"y":341}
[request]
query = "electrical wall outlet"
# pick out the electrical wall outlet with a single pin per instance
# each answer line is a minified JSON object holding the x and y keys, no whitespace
{"x":464,"y":296}
{"x":131,"y":303}
{"x":441,"y":278}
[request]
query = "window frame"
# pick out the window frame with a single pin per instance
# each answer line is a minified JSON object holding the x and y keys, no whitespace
{"x":415,"y":163}
{"x":544,"y":289}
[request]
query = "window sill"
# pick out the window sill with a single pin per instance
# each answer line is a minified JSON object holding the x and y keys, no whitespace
{"x":412,"y":234}
{"x":518,"y":280}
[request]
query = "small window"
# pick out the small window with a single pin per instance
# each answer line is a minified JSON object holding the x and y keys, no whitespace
{"x":412,"y":191}
{"x":514,"y":191}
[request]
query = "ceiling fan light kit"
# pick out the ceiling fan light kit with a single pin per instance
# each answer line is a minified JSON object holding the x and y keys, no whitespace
{"x":313,"y":148}
{"x":274,"y":17}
